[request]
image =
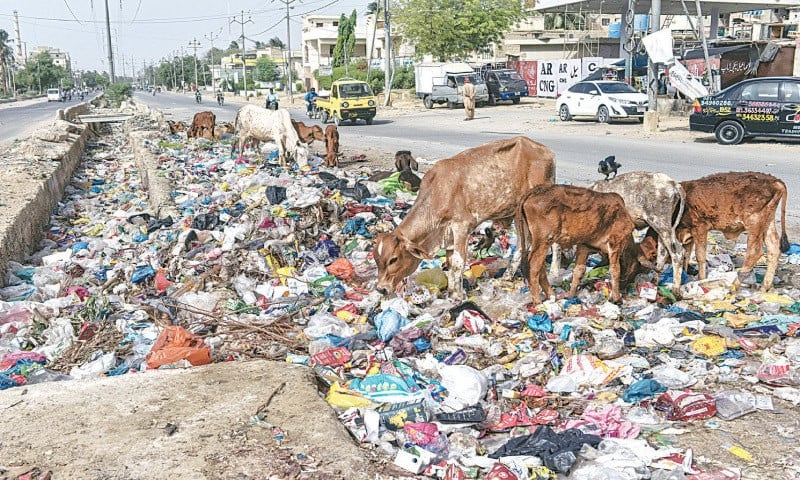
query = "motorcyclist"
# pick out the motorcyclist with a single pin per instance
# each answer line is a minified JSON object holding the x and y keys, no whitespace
{"x":220,"y":97}
{"x":272,"y":100}
{"x":310,"y":99}
{"x":197,"y":96}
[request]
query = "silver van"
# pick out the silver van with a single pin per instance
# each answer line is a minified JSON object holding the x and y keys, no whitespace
{"x":53,"y":94}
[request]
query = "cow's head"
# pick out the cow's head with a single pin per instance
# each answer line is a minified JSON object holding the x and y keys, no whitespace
{"x":397,"y":258}
{"x":637,"y":258}
{"x":317,"y":133}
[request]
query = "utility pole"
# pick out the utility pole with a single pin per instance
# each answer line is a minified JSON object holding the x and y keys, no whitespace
{"x":288,"y":3}
{"x":18,"y":44}
{"x":194,"y":44}
{"x":183,"y":73}
{"x":174,"y":72}
{"x":211,"y":37}
{"x":110,"y":50}
{"x":388,"y":50}
{"x":244,"y":63}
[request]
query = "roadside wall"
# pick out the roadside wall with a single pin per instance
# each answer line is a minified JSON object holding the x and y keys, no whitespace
{"x":39,"y":168}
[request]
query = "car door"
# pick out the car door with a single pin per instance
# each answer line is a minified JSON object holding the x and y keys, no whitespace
{"x":592,"y":99}
{"x":789,"y":118}
{"x":577,"y":98}
{"x":759,"y":108}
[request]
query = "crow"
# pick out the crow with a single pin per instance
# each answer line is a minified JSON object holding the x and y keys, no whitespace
{"x":486,"y":242}
{"x":608,"y":166}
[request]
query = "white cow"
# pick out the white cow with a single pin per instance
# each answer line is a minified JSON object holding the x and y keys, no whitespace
{"x":270,"y":125}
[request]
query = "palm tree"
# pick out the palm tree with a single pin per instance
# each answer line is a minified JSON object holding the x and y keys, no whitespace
{"x":6,"y":61}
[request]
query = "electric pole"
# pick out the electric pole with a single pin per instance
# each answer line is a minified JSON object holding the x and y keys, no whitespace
{"x":288,"y":51}
{"x":110,"y":50}
{"x":388,"y":50}
{"x":244,"y":62}
{"x":194,"y":44}
{"x":211,"y":37}
{"x":183,"y":72}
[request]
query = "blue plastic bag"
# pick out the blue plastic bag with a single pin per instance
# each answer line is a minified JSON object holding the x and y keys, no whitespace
{"x":540,"y":322}
{"x":142,"y":273}
{"x":642,"y":390}
{"x":388,"y":323}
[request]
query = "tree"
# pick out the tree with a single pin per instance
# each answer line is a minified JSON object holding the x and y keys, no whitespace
{"x":258,"y":45}
{"x":265,"y":70}
{"x":346,"y":40}
{"x":453,"y":29}
{"x":233,"y":45}
{"x":6,"y":62}
{"x":277,"y":43}
{"x":42,"y":72}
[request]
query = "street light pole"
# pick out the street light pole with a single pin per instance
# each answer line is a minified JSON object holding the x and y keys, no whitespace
{"x":290,"y":85}
{"x":194,"y":44}
{"x":210,"y":37}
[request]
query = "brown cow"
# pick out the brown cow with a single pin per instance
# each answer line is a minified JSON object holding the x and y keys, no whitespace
{"x":223,"y":128}
{"x":331,"y":146}
{"x":308,"y":133}
{"x":202,"y":125}
{"x":569,"y":215}
{"x":457,"y":194}
{"x":733,"y":203}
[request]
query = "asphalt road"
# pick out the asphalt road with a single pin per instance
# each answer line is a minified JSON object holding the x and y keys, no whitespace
{"x":439,"y":133}
{"x":18,"y":119}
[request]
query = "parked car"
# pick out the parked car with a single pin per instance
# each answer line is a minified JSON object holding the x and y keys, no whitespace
{"x":757,"y":107}
{"x":606,"y":100}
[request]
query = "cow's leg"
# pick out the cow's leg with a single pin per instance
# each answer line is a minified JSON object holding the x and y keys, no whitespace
{"x":773,"y":243}
{"x":460,"y":233}
{"x":581,"y":256}
{"x":555,"y":263}
{"x":538,"y":274}
{"x":668,"y":244}
{"x":700,"y":238}
{"x":613,"y":268}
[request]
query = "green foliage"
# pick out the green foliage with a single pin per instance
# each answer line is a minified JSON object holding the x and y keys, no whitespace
{"x":93,"y":79}
{"x":453,"y":29}
{"x":266,"y":70}
{"x":403,"y":79}
{"x":346,"y":40}
{"x":564,"y":21}
{"x":42,"y":72}
{"x":118,"y":92}
{"x":276,"y":42}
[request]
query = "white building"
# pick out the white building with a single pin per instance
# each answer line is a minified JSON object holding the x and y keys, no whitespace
{"x":59,"y":58}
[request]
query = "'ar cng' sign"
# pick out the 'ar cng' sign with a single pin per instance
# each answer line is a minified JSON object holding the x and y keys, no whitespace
{"x":547,"y":82}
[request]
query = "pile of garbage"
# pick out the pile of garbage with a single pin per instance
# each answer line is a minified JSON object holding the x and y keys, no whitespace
{"x":257,"y":261}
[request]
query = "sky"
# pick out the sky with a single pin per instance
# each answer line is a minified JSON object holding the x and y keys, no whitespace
{"x":149,"y":30}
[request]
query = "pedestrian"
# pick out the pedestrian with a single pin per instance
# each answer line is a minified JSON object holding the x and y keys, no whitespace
{"x":469,"y":98}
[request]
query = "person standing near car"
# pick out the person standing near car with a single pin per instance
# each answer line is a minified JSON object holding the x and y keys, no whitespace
{"x":469,"y":98}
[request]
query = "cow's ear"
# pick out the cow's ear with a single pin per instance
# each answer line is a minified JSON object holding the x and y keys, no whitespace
{"x":417,"y":251}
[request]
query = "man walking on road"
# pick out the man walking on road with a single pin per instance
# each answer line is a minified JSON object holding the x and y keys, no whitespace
{"x":469,"y":98}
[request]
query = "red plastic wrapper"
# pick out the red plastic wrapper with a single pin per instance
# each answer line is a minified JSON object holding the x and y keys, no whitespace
{"x":332,"y":357}
{"x":500,"y":472}
{"x":686,"y":405}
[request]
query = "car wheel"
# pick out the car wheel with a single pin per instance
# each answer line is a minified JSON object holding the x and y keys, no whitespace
{"x":428,"y":102}
{"x":641,"y":119}
{"x":336,"y":119}
{"x":563,"y":113}
{"x":324,"y":117}
{"x":602,"y":114}
{"x":451,"y":105}
{"x":492,"y":100}
{"x":516,"y":100}
{"x":729,"y":132}
{"x":369,"y":120}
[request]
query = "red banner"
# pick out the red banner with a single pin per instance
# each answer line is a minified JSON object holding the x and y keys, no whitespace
{"x":527,"y":70}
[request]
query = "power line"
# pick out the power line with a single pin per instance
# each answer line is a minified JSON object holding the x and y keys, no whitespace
{"x":242,"y":22}
{"x":71,"y":12}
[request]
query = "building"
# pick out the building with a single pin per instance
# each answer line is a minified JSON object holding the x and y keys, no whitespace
{"x":59,"y":58}
{"x":319,"y":35}
{"x":230,"y":67}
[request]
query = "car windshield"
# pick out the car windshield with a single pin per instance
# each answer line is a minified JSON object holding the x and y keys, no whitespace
{"x":616,"y":88}
{"x":509,"y":76}
{"x":355,"y":90}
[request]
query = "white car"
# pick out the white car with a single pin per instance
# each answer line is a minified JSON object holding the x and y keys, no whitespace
{"x":605,"y":100}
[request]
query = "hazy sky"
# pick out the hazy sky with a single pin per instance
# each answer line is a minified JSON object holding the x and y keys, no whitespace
{"x":148,"y":30}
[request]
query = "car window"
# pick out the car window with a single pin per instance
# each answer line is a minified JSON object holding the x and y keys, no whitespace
{"x":616,"y":87}
{"x":355,"y":90}
{"x":580,"y":88}
{"x":509,"y":76}
{"x":791,"y":92}
{"x":763,"y":91}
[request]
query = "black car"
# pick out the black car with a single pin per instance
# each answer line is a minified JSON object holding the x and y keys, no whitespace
{"x":757,"y":107}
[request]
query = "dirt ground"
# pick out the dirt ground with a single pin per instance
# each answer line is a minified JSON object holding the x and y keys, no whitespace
{"x":204,"y":423}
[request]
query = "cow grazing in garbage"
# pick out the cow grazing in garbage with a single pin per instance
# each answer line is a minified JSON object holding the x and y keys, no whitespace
{"x":264,"y":125}
{"x":569,"y":215}
{"x":175,"y":127}
{"x":733,"y":203}
{"x":202,"y":125}
{"x":331,"y":146}
{"x":653,"y":200}
{"x":456,"y":195}
{"x":223,"y":128}
{"x":308,"y":133}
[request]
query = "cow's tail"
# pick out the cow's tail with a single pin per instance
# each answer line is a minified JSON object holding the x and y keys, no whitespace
{"x":522,"y":239}
{"x":784,"y":239}
{"x":236,"y":132}
{"x":677,"y":215}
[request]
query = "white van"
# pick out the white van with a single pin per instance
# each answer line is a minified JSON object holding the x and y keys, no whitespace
{"x":53,"y":94}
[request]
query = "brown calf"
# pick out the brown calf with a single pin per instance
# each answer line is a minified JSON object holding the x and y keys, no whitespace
{"x":308,"y":133}
{"x":175,"y":127}
{"x":590,"y":220}
{"x":202,"y":125}
{"x":331,"y":146}
{"x":733,"y":203}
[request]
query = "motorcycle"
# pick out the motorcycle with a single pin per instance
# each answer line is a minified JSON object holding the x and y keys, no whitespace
{"x":272,"y":104}
{"x":197,"y":97}
{"x":220,"y":99}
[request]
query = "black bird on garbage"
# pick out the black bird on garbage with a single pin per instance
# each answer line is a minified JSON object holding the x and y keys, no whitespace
{"x":486,"y":242}
{"x":608,"y":166}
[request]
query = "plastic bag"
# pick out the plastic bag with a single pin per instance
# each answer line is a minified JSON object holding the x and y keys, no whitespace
{"x":174,"y":344}
{"x":686,"y":406}
{"x":388,"y":323}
